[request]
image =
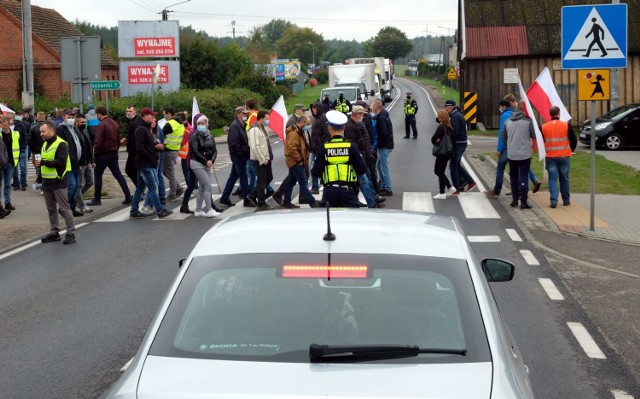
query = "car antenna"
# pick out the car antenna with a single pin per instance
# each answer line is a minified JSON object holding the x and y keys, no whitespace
{"x":329,"y":236}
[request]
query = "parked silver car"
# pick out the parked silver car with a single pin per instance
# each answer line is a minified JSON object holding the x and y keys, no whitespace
{"x":281,"y":304}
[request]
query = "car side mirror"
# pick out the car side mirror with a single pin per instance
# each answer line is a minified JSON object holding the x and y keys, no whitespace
{"x":497,"y":270}
{"x":181,"y":262}
{"x":373,"y":93}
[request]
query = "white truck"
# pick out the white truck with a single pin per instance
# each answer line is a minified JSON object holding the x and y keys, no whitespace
{"x":361,"y":76}
{"x":383,"y":71}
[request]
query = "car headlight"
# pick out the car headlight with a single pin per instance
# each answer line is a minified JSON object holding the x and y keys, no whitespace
{"x":602,"y":125}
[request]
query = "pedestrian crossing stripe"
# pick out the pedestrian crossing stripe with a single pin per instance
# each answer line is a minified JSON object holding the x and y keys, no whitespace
{"x":594,"y":39}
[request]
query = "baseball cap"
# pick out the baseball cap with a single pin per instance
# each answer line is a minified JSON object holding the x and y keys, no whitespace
{"x":148,"y":111}
{"x":69,"y":111}
{"x":336,"y":119}
{"x":449,"y":103}
{"x":300,"y":106}
{"x":504,"y":103}
{"x":244,"y":110}
{"x":357,"y":109}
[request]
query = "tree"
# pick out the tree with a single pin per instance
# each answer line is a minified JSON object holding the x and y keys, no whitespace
{"x":262,"y":40}
{"x":199,"y":60}
{"x":301,"y":43}
{"x":391,"y":43}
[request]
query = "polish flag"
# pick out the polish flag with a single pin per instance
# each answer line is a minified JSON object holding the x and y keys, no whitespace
{"x":542,"y":153}
{"x":195,"y":110}
{"x":278,"y":117}
{"x":543,"y":95}
{"x":5,"y":109}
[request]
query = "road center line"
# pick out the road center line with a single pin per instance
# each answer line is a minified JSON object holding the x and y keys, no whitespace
{"x":483,"y":238}
{"x":529,"y":258}
{"x":513,"y":234}
{"x":551,"y":289}
{"x":617,"y":394}
{"x":586,"y":341}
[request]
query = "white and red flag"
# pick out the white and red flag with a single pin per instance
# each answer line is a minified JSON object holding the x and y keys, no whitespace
{"x":278,"y":117}
{"x":542,"y":153}
{"x":543,"y":96}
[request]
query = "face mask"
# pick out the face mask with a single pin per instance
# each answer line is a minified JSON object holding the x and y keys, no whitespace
{"x":266,"y":123}
{"x":202,"y":128}
{"x":244,"y":118}
{"x":372,"y":114}
{"x":18,"y":118}
{"x":70,"y":122}
{"x":81,"y":127}
{"x":306,"y":128}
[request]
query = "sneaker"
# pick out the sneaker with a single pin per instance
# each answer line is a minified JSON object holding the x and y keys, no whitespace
{"x":455,"y":194}
{"x":440,"y":196}
{"x":471,"y":186}
{"x":15,"y":187}
{"x":185,"y":209}
{"x":378,"y":206}
{"x":147,"y":210}
{"x":289,"y":205}
{"x":199,"y":214}
{"x":553,"y":205}
{"x":315,"y":191}
{"x":137,"y":215}
{"x":566,"y":203}
{"x":362,"y":204}
{"x":86,"y":209}
{"x":278,"y":199}
{"x":163,"y":201}
{"x":536,"y":187}
{"x":386,"y":193}
{"x":314,"y":204}
{"x":491,"y":194}
{"x":514,"y":204}
{"x":164,"y":213}
{"x":451,"y":190}
{"x":525,"y":206}
{"x":211,"y":213}
{"x":4,"y":213}
{"x":406,"y":137}
{"x":226,"y":201}
{"x":380,"y":200}
{"x":69,"y":238}
{"x":127,"y":201}
{"x":9,"y":207}
{"x":77,"y":213}
{"x":51,"y":237}
{"x":264,"y":207}
{"x":248,"y":203}
{"x":415,"y":137}
{"x":94,"y":202}
{"x":269,"y":194}
{"x":36,"y":186}
{"x":23,"y":188}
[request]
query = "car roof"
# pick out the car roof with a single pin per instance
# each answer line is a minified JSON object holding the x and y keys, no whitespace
{"x":357,"y":231}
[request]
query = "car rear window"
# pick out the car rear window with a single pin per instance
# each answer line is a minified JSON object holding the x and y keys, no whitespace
{"x":243,"y":307}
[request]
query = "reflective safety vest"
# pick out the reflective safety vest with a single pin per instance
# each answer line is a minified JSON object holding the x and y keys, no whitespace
{"x":253,"y":117}
{"x":15,"y":146}
{"x":184,"y":146}
{"x":172,"y":141}
{"x":342,"y":106}
{"x":409,"y":109}
{"x":556,"y":141}
{"x":338,"y":169}
{"x":49,"y":154}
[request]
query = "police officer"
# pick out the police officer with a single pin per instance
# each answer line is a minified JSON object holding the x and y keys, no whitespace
{"x":410,"y":111}
{"x":338,"y":164}
{"x":341,"y":104}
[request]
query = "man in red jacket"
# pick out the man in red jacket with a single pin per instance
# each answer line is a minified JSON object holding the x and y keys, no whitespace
{"x":105,"y":153}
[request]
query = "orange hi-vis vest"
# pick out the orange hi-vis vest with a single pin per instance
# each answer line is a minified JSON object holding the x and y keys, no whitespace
{"x":184,"y":146}
{"x":556,"y":141}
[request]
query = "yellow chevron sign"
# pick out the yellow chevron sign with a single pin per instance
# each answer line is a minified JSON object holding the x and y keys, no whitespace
{"x":470,"y":107}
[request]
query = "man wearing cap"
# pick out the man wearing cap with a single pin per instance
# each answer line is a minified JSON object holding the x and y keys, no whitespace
{"x":146,"y":162}
{"x":326,"y":103}
{"x":384,"y":134}
{"x":105,"y":153}
{"x":298,"y":111}
{"x":338,"y":163}
{"x":410,"y":110}
{"x":262,"y":156}
{"x":239,"y":152}
{"x":459,"y":174}
{"x":341,"y":104}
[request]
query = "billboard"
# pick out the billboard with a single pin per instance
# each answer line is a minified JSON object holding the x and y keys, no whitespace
{"x":148,"y":39}
{"x":286,"y":69}
{"x":137,"y":76}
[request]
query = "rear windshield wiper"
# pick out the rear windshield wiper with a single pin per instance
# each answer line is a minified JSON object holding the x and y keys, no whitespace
{"x":323,"y":353}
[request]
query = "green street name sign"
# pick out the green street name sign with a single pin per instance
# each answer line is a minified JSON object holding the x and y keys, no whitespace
{"x":105,"y":85}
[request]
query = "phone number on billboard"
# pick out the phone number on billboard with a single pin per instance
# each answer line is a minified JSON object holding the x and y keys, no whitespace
{"x":168,"y":51}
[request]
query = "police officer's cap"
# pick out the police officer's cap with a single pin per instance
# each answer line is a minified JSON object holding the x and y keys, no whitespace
{"x":408,"y":93}
{"x":336,"y":119}
{"x":341,"y":93}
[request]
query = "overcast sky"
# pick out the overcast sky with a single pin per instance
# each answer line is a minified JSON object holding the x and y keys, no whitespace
{"x":334,"y":19}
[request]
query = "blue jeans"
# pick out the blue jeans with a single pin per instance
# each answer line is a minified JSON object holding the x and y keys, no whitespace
{"x":20,"y":180}
{"x":162,"y":191}
{"x":315,"y":182}
{"x":72,"y":190}
{"x":459,"y":174}
{"x":297,"y":174}
{"x":383,"y":169}
{"x":238,"y":172}
{"x":558,"y":168}
{"x":147,"y":177}
{"x":7,"y":174}
{"x":367,"y":190}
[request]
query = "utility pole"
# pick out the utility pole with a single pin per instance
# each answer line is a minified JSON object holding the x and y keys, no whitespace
{"x":165,"y":12}
{"x":233,"y":29}
{"x":614,"y":102}
{"x":27,"y":58}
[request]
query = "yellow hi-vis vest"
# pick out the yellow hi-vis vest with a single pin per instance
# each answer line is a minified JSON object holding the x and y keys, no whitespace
{"x":338,"y":171}
{"x":15,"y":147}
{"x":253,"y":117}
{"x":172,"y":141}
{"x":49,"y":154}
{"x":342,"y":106}
{"x":409,"y":109}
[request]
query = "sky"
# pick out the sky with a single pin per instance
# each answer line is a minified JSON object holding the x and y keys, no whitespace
{"x":334,"y":19}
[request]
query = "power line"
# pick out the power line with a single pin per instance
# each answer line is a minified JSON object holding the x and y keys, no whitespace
{"x":143,"y":5}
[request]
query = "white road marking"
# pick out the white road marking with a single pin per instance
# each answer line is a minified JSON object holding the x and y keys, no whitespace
{"x":586,"y":342}
{"x":176,"y":215}
{"x":33,"y":244}
{"x":551,"y":289}
{"x":483,"y":238}
{"x":617,"y":394}
{"x":126,"y":366}
{"x":419,"y":202}
{"x":118,"y":216}
{"x":529,"y":258}
{"x":513,"y":234}
{"x":477,"y":206}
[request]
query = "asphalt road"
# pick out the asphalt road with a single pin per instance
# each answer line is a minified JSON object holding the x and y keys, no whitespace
{"x":73,"y":316}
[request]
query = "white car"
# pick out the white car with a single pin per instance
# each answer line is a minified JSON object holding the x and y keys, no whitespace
{"x":346,"y":304}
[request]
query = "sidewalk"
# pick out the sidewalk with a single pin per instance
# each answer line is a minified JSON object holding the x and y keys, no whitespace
{"x":617,"y":217}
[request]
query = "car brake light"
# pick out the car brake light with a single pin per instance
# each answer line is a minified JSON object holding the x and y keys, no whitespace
{"x":311,"y":271}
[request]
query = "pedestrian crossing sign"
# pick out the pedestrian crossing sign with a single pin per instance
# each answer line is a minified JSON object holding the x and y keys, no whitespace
{"x":594,"y":36}
{"x":452,"y":74}
{"x":593,"y":85}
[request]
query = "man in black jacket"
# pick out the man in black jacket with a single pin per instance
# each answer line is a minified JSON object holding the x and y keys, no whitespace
{"x":239,"y":152}
{"x":319,"y":134}
{"x":146,"y":156}
{"x":134,"y":122}
{"x":66,"y":131}
{"x":85,"y":180}
{"x":385,"y":146}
